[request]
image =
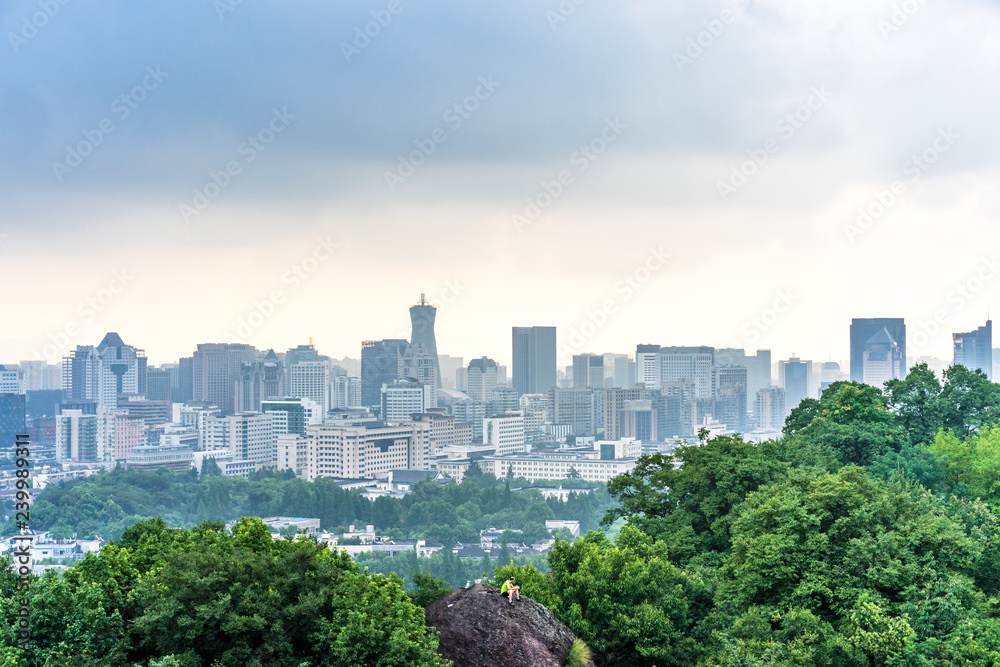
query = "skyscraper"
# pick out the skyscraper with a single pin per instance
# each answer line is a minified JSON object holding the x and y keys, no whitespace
{"x":157,"y":384}
{"x":422,"y":318}
{"x":420,"y":365}
{"x":100,"y":374}
{"x":215,"y":370}
{"x":883,"y":359}
{"x":534,"y":354}
{"x":484,"y":376}
{"x":381,"y":363}
{"x":770,"y":408}
{"x":689,"y":363}
{"x":297,"y":354}
{"x":794,"y":375}
{"x":862,"y":331}
{"x":184,"y":391}
{"x":588,"y":370}
{"x":975,"y":349}
{"x":732,"y":397}
{"x":12,"y":422}
{"x":311,"y":379}
{"x":259,"y":381}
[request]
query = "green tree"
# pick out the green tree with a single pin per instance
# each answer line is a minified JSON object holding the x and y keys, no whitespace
{"x":819,"y":542}
{"x":626,"y":600}
{"x":686,"y":499}
{"x":429,"y":589}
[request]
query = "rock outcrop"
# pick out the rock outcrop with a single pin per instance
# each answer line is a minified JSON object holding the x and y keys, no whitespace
{"x":479,"y":628}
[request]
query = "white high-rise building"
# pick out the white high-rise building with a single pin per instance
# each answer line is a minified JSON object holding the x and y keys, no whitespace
{"x":346,"y":392}
{"x":358,"y":450}
{"x":505,"y":432}
{"x":483,"y":377}
{"x":311,"y":379}
{"x":647,"y":365}
{"x":102,"y":373}
{"x":249,"y":436}
{"x":770,"y":409}
{"x":76,"y":437}
{"x":404,"y":398}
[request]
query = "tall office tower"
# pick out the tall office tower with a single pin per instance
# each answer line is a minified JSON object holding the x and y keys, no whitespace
{"x":346,"y":392}
{"x":183,"y":392}
{"x":39,"y":375}
{"x":449,"y":366}
{"x":505,"y":432}
{"x":311,"y":379}
{"x":677,"y":415}
{"x":76,"y":437}
{"x":615,"y":400}
{"x":770,"y":409}
{"x":12,"y":419}
{"x":214,"y":371}
{"x":794,"y":377}
{"x":422,"y":318}
{"x":299,"y":354}
{"x":588,"y":370}
{"x":534,"y":355}
{"x":12,"y":380}
{"x":100,"y":374}
{"x":624,"y":371}
{"x":157,"y":384}
{"x":975,"y":349}
{"x":638,"y":419}
{"x":381,"y":363}
{"x":483,"y":376}
{"x":647,"y":365}
{"x":259,"y":381}
{"x":883,"y":359}
{"x":576,"y":407}
{"x":864,"y":334}
{"x":421,"y":366}
{"x":689,"y":363}
{"x":732,"y":397}
{"x":364,"y":450}
{"x":292,"y":415}
{"x":758,"y":374}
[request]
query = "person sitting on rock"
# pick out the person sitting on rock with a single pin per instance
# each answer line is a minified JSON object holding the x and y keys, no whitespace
{"x":510,"y":591}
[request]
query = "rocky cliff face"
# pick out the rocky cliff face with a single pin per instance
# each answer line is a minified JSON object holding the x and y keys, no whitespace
{"x":481,"y":629}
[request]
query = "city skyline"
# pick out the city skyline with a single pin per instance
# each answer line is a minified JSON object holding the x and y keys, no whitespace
{"x":769,"y":165}
{"x":942,"y":349}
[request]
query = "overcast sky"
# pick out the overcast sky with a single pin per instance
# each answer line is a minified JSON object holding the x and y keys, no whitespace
{"x":623,"y":122}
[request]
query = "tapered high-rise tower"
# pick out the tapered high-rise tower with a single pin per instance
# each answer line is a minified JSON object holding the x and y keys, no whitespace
{"x":422,"y":317}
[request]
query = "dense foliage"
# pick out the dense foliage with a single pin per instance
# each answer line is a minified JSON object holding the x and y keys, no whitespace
{"x":868,"y":535}
{"x":165,"y":596}
{"x":107,"y":504}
